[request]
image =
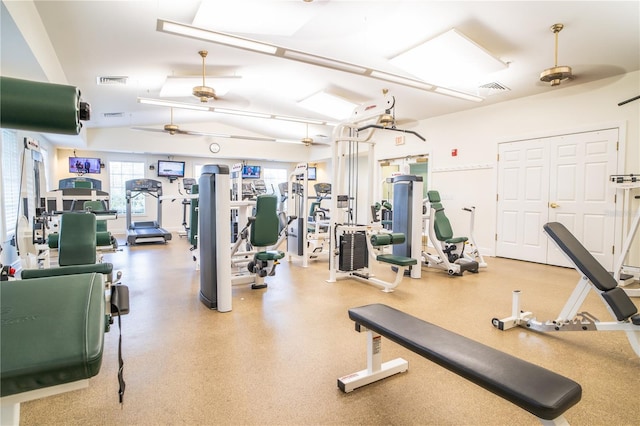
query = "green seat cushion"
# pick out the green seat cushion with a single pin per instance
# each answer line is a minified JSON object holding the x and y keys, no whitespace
{"x":269,"y":255}
{"x":100,"y":268}
{"x":456,"y":240}
{"x":52,"y":331}
{"x":396,"y":260}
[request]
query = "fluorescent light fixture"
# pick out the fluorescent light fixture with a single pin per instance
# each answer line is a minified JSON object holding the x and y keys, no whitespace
{"x":329,"y":105}
{"x":183,"y":105}
{"x":380,"y":75}
{"x":282,"y":18}
{"x":324,"y":62}
{"x":214,"y":36}
{"x":283,"y":52}
{"x":302,"y":120}
{"x":455,"y":93}
{"x":240,"y":112}
{"x":450,"y":59}
{"x":183,"y":86}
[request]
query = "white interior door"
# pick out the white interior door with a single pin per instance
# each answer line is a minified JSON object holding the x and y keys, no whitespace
{"x":580,"y":196}
{"x":561,"y":178}
{"x":523,"y":186}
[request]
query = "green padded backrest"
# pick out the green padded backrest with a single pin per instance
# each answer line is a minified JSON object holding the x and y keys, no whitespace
{"x":441,"y":223}
{"x":434,"y":196}
{"x":96,"y":206}
{"x":77,"y":242}
{"x":265,"y":228}
{"x":312,"y":210}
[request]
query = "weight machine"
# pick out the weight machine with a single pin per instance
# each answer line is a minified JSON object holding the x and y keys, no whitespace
{"x":307,"y":234}
{"x":352,"y":244}
{"x":626,"y":274}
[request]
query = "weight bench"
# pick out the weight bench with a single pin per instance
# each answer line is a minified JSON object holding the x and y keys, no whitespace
{"x":52,"y":337}
{"x":541,"y":392}
{"x":592,"y":276}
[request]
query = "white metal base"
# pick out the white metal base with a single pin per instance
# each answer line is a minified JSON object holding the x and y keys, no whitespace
{"x":10,"y":405}
{"x":376,"y":369}
{"x":361,"y":378}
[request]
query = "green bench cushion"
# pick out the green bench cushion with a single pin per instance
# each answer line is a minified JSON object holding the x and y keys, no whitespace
{"x":52,"y":331}
{"x":269,"y":255}
{"x":100,"y":268}
{"x":396,"y":260}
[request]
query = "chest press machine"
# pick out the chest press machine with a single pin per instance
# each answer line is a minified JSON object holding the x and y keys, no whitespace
{"x":592,"y":276}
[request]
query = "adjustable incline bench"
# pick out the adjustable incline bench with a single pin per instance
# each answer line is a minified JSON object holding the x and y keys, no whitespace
{"x":541,"y":392}
{"x":592,"y":276}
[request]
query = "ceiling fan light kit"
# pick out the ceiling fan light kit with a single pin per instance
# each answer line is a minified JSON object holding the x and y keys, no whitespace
{"x":556,"y":74}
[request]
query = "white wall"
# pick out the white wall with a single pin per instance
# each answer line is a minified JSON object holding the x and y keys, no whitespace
{"x":470,"y":177}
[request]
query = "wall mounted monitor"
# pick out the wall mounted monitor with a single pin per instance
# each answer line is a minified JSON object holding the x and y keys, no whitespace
{"x":311,"y":173}
{"x":84,"y":165}
{"x":251,"y":172}
{"x":170,"y":169}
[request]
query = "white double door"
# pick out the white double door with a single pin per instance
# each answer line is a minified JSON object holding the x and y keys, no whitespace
{"x":557,"y":179}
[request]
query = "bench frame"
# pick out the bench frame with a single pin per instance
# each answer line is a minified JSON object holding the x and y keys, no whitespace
{"x":569,"y":318}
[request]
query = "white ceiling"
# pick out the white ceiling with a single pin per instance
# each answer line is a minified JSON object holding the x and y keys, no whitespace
{"x":119,"y":38}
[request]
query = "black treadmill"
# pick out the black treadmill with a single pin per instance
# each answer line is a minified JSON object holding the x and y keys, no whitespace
{"x":145,"y":231}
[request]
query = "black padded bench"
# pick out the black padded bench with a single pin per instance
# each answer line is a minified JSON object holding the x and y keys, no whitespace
{"x":541,"y":392}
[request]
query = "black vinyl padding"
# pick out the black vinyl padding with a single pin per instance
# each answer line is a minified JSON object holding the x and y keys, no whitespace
{"x":580,"y":256}
{"x":537,"y":390}
{"x":620,"y":303}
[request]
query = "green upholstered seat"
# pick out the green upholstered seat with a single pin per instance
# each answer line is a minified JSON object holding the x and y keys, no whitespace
{"x":265,"y":226}
{"x":269,"y":255}
{"x":52,"y":331}
{"x":77,"y":241}
{"x":396,"y":260}
{"x":441,"y":224}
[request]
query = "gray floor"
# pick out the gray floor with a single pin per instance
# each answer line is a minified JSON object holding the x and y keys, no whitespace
{"x":275,"y":358}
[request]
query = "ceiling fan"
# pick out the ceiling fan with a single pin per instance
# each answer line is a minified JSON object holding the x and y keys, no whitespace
{"x":308,"y":141}
{"x":173,"y":129}
{"x":556,"y":74}
{"x":204,"y":92}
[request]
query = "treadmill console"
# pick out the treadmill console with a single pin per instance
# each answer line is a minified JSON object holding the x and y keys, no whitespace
{"x":143,"y":185}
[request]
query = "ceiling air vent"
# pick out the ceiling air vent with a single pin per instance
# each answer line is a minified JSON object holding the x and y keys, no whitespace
{"x":113,"y":114}
{"x":492,"y":88}
{"x":112,"y":81}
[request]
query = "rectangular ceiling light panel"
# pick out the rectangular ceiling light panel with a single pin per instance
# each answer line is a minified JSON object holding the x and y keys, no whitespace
{"x":329,"y":105}
{"x":450,"y":60}
{"x":282,"y":18}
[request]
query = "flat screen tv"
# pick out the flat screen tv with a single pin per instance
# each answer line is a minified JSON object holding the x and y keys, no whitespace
{"x":84,"y":165}
{"x":311,"y":173}
{"x":251,"y":172}
{"x":170,"y":169}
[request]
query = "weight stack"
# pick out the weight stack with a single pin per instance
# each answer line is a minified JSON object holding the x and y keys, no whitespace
{"x":353,"y":252}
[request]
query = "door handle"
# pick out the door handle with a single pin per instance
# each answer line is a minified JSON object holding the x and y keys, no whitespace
{"x":554,"y":205}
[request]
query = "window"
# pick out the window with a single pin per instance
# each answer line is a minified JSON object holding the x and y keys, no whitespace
{"x":119,"y":173}
{"x":10,"y":197}
{"x":272,"y":178}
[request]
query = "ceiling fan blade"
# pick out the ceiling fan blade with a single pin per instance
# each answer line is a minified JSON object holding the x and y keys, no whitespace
{"x":148,"y":129}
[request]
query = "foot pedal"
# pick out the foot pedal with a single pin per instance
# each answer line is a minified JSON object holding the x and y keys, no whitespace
{"x":258,"y":286}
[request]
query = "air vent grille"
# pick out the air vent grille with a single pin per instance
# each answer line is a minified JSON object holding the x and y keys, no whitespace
{"x":492,"y":88}
{"x":112,"y":80}
{"x":113,"y":114}
{"x":494,"y":85}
